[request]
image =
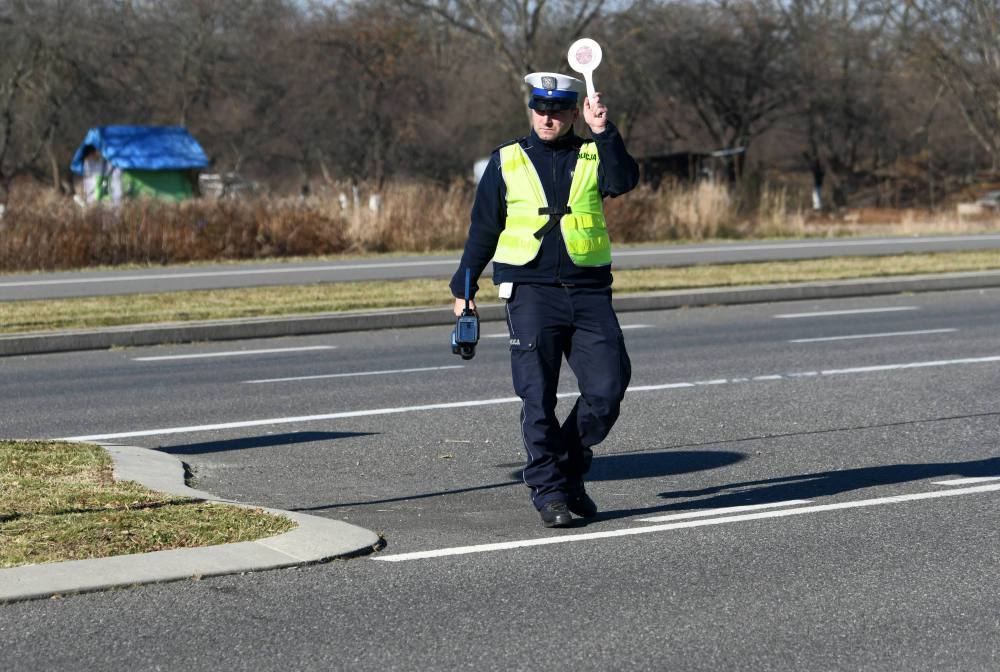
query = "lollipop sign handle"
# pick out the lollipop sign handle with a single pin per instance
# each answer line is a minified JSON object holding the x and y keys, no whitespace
{"x":588,"y":78}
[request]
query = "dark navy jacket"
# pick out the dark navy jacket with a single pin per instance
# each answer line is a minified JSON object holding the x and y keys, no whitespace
{"x":554,"y":161}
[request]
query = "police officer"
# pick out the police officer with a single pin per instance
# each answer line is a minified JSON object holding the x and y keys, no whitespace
{"x":538,"y":214}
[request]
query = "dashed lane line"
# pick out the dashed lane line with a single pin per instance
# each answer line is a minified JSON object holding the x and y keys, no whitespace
{"x":856,"y":311}
{"x":233,"y":353}
{"x":352,"y":375}
{"x":512,"y":400}
{"x":630,"y":532}
{"x":886,"y":334}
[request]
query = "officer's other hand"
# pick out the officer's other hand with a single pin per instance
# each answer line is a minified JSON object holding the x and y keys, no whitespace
{"x":460,"y":306}
{"x":595,"y":113}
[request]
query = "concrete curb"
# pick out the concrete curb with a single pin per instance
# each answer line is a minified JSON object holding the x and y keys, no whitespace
{"x":315,"y":539}
{"x":300,"y":325}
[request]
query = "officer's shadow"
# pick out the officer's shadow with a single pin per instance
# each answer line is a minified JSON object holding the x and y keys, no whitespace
{"x":805,"y":486}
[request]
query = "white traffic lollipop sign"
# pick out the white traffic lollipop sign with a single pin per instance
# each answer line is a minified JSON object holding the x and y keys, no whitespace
{"x":584,"y":57}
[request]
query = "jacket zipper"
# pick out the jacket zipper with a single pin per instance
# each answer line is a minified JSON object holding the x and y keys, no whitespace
{"x":555,"y":195}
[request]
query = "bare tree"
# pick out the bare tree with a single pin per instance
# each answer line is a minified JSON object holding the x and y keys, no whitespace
{"x":47,"y":71}
{"x":842,"y":68}
{"x":957,"y":42}
{"x":725,"y":62}
{"x":518,"y":33}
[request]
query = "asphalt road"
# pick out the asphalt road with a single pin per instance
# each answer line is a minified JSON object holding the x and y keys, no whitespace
{"x":178,"y":278}
{"x":849,"y":435}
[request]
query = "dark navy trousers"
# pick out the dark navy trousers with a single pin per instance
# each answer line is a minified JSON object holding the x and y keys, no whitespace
{"x":547,"y":323}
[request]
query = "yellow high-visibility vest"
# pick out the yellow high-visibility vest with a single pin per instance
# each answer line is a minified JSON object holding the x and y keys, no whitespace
{"x":583,"y":227}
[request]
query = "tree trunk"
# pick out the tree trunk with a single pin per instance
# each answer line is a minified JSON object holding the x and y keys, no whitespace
{"x":54,"y":168}
{"x":818,"y":174}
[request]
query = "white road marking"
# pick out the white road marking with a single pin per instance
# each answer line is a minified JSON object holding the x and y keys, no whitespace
{"x":799,"y":246}
{"x":882,"y":335}
{"x":654,"y":388}
{"x":629,"y":532}
{"x":294,"y":420}
{"x":212,"y":274}
{"x":912,"y":365}
{"x":968,"y":481}
{"x":512,"y":400}
{"x":857,"y":311}
{"x":349,"y":375}
{"x":451,"y":262}
{"x":625,"y":327}
{"x":715,"y":512}
{"x":233,"y":353}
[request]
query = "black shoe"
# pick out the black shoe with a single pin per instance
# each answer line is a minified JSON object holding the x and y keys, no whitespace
{"x":555,"y":514}
{"x":582,"y":505}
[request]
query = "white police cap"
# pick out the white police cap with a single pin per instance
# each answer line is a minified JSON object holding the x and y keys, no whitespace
{"x":552,"y":91}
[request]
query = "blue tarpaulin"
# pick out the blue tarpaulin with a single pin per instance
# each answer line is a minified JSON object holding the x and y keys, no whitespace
{"x":143,"y":148}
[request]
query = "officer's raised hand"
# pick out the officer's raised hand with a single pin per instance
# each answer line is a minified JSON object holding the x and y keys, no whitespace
{"x":595,"y":113}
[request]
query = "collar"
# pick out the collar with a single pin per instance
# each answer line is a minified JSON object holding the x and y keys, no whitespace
{"x":568,"y":141}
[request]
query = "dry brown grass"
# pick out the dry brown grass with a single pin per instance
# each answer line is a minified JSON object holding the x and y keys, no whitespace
{"x":59,"y":501}
{"x":47,"y":232}
{"x":42,"y":231}
{"x":702,"y":211}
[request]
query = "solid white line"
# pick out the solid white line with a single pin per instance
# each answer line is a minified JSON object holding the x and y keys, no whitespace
{"x":233,"y":353}
{"x":881,"y":335}
{"x":858,"y":311}
{"x":799,"y":246}
{"x":729,"y":509}
{"x":452,"y":262}
{"x":349,"y":375}
{"x":968,"y":481}
{"x":563,"y":539}
{"x":292,"y":420}
{"x":510,"y":400}
{"x":212,"y":274}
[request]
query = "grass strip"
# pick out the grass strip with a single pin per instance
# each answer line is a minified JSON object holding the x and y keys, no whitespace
{"x":59,"y":501}
{"x":89,"y":312}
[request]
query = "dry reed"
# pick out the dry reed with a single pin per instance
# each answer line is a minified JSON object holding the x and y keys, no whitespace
{"x":47,"y":232}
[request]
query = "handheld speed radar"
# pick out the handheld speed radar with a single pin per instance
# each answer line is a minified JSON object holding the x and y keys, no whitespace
{"x":465,"y":335}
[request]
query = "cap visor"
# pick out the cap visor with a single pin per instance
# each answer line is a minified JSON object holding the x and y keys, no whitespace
{"x":546,"y":105}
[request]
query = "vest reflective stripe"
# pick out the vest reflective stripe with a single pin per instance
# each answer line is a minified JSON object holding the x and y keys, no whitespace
{"x":584,"y":231}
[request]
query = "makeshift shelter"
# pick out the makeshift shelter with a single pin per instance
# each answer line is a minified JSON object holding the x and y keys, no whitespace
{"x":118,"y":162}
{"x":724,"y":165}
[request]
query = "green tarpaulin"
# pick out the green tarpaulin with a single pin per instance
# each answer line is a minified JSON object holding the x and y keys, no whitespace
{"x":174,"y":185}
